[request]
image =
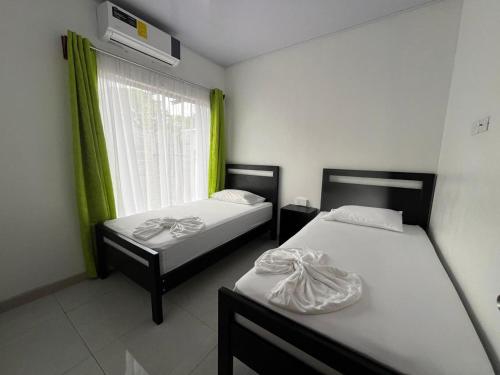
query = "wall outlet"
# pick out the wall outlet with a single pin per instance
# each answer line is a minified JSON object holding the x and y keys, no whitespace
{"x":301,"y":201}
{"x":480,"y":126}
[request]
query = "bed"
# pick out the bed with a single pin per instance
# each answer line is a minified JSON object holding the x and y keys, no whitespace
{"x":409,"y":319}
{"x":162,"y":262}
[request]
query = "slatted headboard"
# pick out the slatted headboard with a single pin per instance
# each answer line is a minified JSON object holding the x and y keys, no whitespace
{"x":411,"y":193}
{"x":262,"y":180}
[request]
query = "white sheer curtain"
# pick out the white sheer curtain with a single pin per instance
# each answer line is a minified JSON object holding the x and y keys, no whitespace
{"x":157,"y":135}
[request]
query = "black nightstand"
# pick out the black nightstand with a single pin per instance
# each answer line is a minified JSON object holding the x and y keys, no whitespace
{"x":293,"y":218}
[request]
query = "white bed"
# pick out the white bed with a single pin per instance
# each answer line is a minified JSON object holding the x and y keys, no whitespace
{"x":224,"y":221}
{"x":409,"y":316}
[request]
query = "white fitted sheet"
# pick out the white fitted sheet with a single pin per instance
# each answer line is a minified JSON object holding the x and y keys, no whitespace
{"x":409,"y":316}
{"x":223,"y":222}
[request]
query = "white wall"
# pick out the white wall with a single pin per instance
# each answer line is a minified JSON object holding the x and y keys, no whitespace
{"x":372,"y":97}
{"x":466,"y":214}
{"x":39,"y":237}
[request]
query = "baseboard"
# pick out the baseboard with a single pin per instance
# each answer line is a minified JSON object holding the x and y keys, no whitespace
{"x":42,"y":291}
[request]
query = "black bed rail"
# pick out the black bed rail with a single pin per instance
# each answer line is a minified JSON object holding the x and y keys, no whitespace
{"x":112,"y":249}
{"x":235,"y":340}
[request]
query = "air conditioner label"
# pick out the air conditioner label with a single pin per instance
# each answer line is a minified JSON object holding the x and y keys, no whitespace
{"x":122,"y":16}
{"x":142,"y":29}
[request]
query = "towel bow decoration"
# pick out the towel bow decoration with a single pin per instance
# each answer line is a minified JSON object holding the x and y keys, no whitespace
{"x":177,"y":227}
{"x":314,"y":287}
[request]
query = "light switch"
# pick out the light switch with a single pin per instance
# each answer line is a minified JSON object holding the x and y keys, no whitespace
{"x":483,"y":125}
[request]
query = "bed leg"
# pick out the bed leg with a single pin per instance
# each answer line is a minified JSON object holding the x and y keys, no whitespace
{"x":273,"y":234}
{"x":156,"y":308}
{"x":225,"y":355}
{"x":156,"y":290}
{"x":273,"y":230}
{"x":101,"y":265}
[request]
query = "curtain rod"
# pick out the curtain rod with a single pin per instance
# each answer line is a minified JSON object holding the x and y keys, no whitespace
{"x":64,"y":40}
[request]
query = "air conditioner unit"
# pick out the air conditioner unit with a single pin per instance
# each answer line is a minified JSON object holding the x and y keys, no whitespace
{"x":120,"y":26}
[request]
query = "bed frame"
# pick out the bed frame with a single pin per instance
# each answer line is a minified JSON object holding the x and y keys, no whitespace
{"x":411,"y":193}
{"x":142,"y":264}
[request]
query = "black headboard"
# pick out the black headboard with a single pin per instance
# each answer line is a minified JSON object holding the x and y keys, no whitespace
{"x":262,"y":180}
{"x":411,"y":193}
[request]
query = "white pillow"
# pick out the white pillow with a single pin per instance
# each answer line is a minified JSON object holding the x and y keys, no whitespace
{"x":368,"y":216}
{"x":237,"y":196}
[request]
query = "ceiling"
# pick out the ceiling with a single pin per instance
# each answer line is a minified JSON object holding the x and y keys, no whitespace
{"x":230,"y":31}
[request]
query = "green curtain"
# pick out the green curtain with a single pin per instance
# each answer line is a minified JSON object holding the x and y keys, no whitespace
{"x":92,"y":175}
{"x":217,"y":158}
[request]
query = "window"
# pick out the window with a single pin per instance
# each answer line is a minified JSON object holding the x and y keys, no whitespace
{"x":157,"y":135}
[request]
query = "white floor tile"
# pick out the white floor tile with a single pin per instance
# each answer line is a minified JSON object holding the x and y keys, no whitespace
{"x":108,"y":316}
{"x":87,"y":367}
{"x":113,"y":317}
{"x":199,"y":295}
{"x":209,"y":366}
{"x":83,"y":292}
{"x":51,"y":347}
{"x":21,"y":319}
{"x":174,"y":347}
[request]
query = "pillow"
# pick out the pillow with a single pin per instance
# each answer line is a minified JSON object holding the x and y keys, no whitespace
{"x":237,"y":196}
{"x":368,"y":216}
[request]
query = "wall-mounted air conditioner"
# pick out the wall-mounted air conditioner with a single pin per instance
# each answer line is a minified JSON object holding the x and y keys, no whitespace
{"x":119,"y":26}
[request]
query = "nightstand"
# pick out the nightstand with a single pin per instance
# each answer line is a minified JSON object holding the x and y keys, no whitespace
{"x":293,"y":218}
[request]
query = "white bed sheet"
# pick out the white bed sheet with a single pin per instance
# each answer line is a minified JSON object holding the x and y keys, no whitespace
{"x":223,"y":222}
{"x":409,"y":316}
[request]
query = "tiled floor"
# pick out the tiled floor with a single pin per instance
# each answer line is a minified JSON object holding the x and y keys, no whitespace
{"x":104,"y":326}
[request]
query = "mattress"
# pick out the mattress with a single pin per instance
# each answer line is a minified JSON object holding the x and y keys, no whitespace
{"x":409,"y":317}
{"x":224,"y":221}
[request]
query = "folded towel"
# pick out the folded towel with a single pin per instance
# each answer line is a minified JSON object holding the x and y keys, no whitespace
{"x":177,"y":227}
{"x":314,"y":287}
